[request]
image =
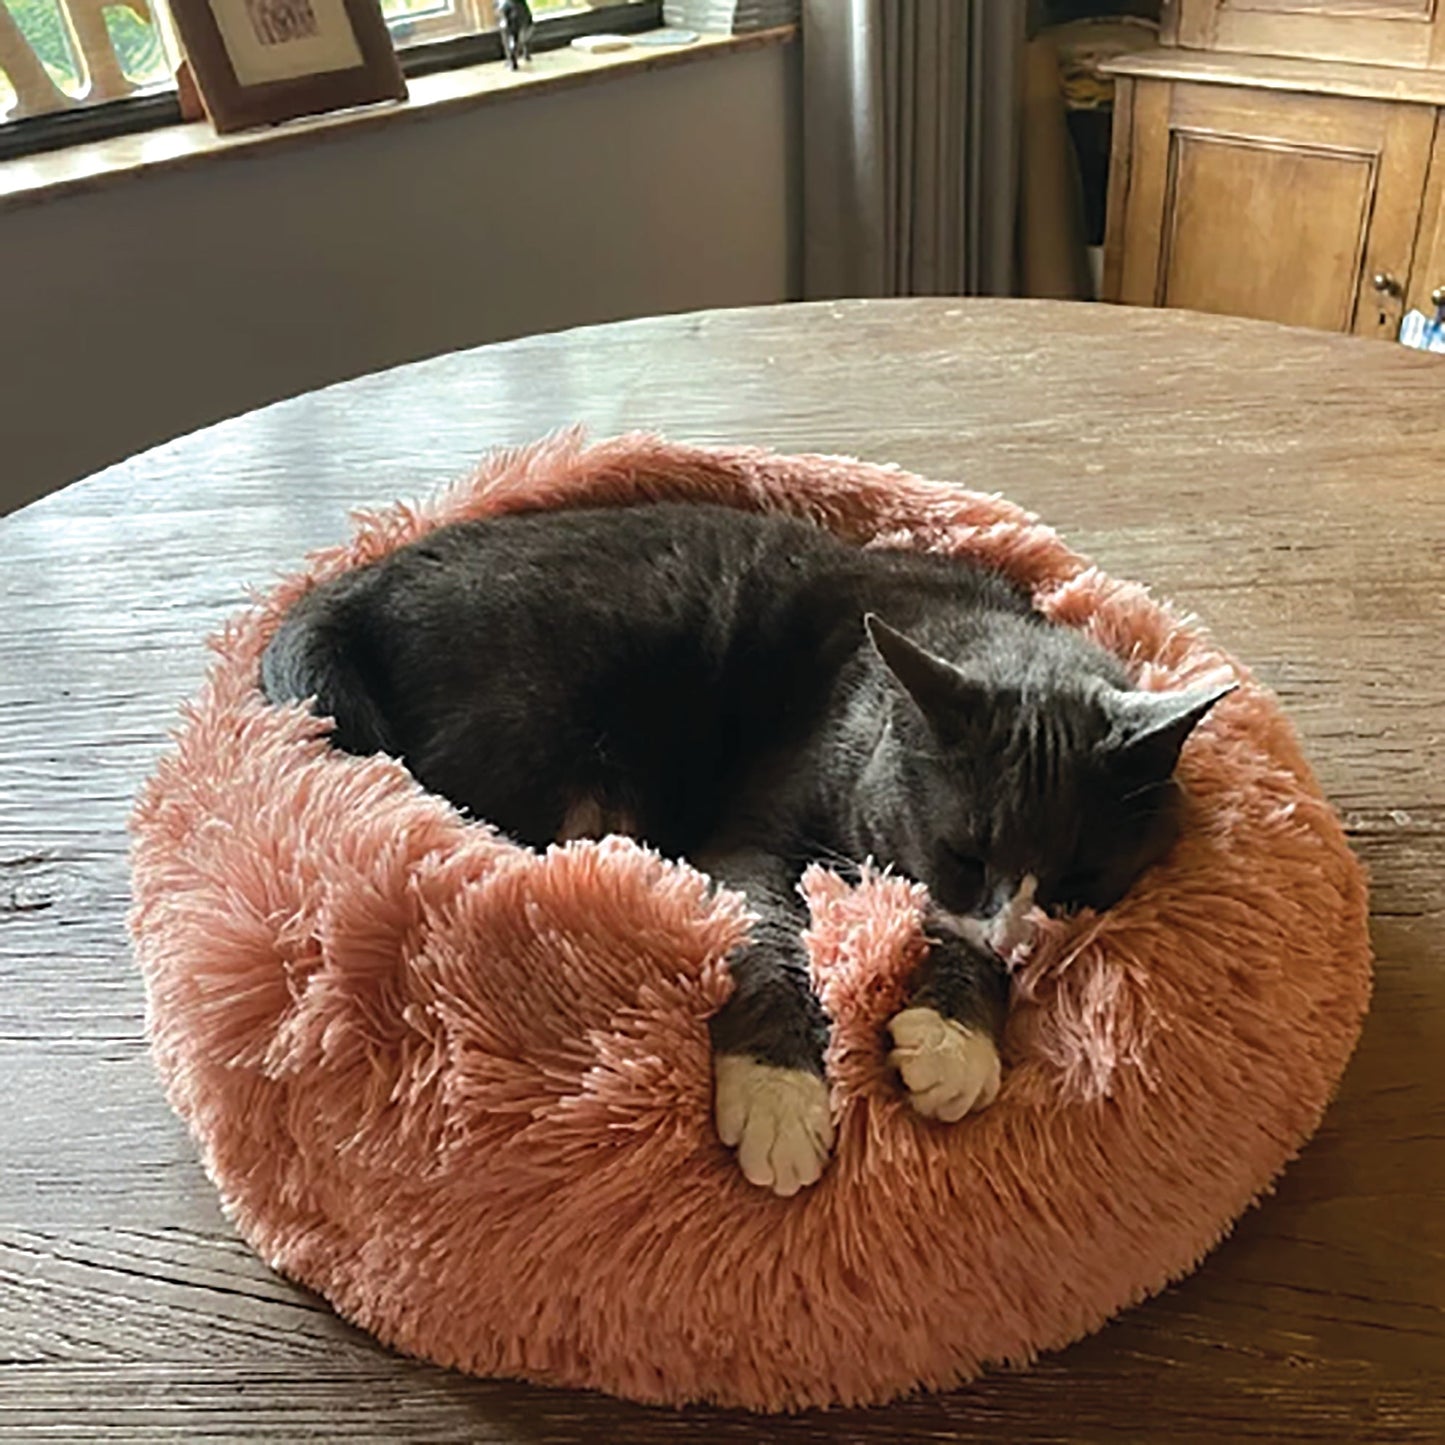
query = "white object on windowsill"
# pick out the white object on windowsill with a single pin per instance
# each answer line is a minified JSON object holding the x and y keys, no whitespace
{"x":601,"y":44}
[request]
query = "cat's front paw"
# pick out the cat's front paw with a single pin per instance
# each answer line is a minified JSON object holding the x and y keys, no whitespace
{"x":777,"y":1119}
{"x":948,"y":1069}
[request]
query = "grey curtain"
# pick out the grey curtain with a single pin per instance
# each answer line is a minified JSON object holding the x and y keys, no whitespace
{"x":911,"y":146}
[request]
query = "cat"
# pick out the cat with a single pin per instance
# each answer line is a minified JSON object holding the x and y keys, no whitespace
{"x":751,"y":693}
{"x":514,"y":24}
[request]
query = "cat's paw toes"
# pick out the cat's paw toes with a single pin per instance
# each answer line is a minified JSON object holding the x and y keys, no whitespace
{"x":947,"y":1068}
{"x":777,"y":1119}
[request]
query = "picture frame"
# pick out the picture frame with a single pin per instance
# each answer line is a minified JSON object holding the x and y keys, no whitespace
{"x":260,"y":62}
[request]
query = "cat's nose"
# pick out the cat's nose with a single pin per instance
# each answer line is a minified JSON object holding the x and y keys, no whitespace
{"x":1007,"y":925}
{"x":1004,"y":894}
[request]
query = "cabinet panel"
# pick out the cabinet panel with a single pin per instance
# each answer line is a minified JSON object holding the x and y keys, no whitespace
{"x":1254,"y":203}
{"x":1375,"y":32}
{"x":1242,"y":217}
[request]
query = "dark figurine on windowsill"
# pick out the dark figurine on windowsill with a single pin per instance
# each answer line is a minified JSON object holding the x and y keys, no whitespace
{"x":514,"y":18}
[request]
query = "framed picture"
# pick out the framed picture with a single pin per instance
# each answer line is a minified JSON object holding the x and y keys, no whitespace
{"x":257,"y":62}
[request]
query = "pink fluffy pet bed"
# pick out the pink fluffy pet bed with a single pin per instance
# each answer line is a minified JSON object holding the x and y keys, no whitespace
{"x":464,"y":1090}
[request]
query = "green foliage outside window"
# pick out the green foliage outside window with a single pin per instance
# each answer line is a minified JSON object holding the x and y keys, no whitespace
{"x":137,"y":45}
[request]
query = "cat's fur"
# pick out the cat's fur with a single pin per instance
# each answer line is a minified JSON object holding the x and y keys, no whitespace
{"x":725,"y":686}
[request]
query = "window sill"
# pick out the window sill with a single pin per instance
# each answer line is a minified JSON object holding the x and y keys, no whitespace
{"x":29,"y":180}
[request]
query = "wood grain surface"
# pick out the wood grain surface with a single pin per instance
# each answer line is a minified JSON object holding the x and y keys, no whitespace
{"x":1281,"y":484}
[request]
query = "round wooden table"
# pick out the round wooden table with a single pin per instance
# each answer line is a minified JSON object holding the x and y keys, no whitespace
{"x":1283,"y":484}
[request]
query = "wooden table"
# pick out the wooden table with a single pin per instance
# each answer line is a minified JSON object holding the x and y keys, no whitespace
{"x":1285,"y":485}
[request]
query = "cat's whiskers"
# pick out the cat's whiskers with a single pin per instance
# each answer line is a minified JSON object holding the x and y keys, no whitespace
{"x":820,"y":852}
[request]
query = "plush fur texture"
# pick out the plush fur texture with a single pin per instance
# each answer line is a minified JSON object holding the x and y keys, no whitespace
{"x":464,"y":1090}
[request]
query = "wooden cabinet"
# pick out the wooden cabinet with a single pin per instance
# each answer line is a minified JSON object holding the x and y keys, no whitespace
{"x":1372,"y":32}
{"x":1305,"y":194}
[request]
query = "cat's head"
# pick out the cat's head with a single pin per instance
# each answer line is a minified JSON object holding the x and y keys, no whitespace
{"x":1032,"y":768}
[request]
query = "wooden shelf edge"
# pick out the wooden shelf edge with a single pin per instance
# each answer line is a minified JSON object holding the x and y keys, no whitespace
{"x":1268,"y":72}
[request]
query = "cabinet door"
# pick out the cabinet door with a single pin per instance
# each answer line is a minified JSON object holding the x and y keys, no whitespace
{"x":1374,"y":32}
{"x":1427,"y":274}
{"x":1278,"y":205}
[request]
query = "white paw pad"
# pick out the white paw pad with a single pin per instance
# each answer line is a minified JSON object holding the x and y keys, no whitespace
{"x":947,"y":1068}
{"x":777,"y":1119}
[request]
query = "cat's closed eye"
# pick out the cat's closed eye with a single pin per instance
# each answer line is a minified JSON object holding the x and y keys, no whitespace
{"x":965,"y":858}
{"x":959,"y":877}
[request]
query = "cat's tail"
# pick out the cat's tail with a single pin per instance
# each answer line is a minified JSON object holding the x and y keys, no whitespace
{"x":308,"y":660}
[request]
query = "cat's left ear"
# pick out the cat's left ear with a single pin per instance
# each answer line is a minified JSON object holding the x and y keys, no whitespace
{"x":944,"y":695}
{"x":1150,"y":728}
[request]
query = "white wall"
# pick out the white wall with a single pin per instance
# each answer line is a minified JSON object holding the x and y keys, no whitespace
{"x":137,"y":313}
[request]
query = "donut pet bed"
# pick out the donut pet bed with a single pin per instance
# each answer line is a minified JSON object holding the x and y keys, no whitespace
{"x":463,"y":1089}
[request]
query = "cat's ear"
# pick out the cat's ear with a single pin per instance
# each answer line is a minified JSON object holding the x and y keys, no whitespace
{"x":1150,"y":728}
{"x":942,"y":692}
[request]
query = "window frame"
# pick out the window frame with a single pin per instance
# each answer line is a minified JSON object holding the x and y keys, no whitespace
{"x":130,"y":114}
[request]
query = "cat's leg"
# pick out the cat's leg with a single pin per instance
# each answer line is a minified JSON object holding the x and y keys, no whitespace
{"x":946,"y":1041}
{"x":770,"y":1096}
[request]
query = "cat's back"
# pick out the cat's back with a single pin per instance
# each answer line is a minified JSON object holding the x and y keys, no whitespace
{"x":658,"y":564}
{"x":568,"y":579}
{"x":647,"y":642}
{"x":708,"y":537}
{"x":561,"y":585}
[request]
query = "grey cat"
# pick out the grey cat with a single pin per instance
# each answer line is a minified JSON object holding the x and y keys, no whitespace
{"x":752,"y":693}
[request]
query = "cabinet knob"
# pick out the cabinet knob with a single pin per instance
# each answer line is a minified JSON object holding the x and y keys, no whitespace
{"x":1386,"y":284}
{"x":1437,"y":297}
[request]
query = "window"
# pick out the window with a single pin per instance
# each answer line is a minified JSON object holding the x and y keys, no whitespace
{"x":72,"y":70}
{"x":413,"y":22}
